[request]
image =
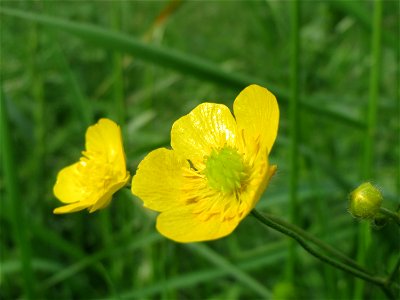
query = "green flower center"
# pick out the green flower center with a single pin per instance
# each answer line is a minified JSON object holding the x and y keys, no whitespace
{"x":225,"y":170}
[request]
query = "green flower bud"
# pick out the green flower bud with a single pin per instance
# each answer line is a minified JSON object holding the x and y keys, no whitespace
{"x":365,"y":201}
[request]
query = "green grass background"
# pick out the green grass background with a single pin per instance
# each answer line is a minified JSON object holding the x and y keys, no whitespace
{"x":339,"y":126}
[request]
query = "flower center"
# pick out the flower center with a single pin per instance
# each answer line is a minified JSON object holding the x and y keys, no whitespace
{"x":225,"y":170}
{"x":94,"y":176}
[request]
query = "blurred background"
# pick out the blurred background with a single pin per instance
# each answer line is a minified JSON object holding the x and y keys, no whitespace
{"x":146,"y":63}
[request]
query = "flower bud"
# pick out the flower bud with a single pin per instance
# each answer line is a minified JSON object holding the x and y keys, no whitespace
{"x":365,"y":201}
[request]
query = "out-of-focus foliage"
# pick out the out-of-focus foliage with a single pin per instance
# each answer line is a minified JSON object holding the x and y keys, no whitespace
{"x":55,"y":84}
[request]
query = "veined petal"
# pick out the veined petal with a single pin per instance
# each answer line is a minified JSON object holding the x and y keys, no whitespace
{"x":206,"y":127}
{"x":67,"y":187}
{"x":159,"y":179}
{"x":104,"y":142}
{"x":71,"y":207}
{"x":257,"y":115}
{"x":182,"y":225}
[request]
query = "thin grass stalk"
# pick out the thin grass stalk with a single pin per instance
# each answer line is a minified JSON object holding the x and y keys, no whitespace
{"x":271,"y":254}
{"x":118,"y":88}
{"x":79,"y":101}
{"x":37,"y":184}
{"x":94,"y":259}
{"x":120,"y":112}
{"x":161,"y":269}
{"x":369,"y":137}
{"x":14,"y":203}
{"x":105,"y":226}
{"x":321,"y":218}
{"x":192,"y":279}
{"x":232,"y":269}
{"x":374,"y":83}
{"x":118,"y":83}
{"x":361,"y":14}
{"x":294,"y":132}
{"x":106,"y":223}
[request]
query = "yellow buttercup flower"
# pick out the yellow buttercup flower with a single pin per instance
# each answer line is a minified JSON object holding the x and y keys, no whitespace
{"x":216,"y":171}
{"x":100,"y":172}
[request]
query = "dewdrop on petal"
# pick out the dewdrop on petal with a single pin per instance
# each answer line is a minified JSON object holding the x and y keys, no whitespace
{"x":365,"y":201}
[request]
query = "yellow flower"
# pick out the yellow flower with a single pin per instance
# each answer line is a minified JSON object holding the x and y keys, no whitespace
{"x":217,"y":170}
{"x":100,"y":172}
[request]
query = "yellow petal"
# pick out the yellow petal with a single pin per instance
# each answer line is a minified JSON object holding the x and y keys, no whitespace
{"x":105,"y":200}
{"x":257,"y":115}
{"x":258,"y":185}
{"x":71,"y":208}
{"x":182,"y":225}
{"x":206,"y":127}
{"x":104,"y":142}
{"x":101,"y":203}
{"x":68,"y":188}
{"x":263,"y":184}
{"x":159,"y":179}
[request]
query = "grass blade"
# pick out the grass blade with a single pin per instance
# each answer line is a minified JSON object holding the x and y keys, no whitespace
{"x":231,"y":269}
{"x":14,"y":201}
{"x":173,"y":59}
{"x":294,"y":131}
{"x":363,"y":16}
{"x":364,"y":237}
{"x":93,"y":259}
{"x":272,"y":253}
{"x":276,"y":254}
{"x":80,"y":102}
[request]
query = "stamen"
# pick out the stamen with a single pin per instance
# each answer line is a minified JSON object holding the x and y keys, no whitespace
{"x":225,"y":170}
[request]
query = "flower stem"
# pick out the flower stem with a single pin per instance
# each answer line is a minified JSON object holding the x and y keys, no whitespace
{"x":391,"y":214}
{"x":364,"y":234}
{"x":297,"y":234}
{"x":329,"y":249}
{"x":294,"y":129}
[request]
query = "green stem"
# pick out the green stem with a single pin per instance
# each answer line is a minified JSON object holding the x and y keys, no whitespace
{"x":369,"y":140}
{"x":39,"y":130}
{"x":280,"y":226}
{"x":118,"y":82}
{"x":391,"y":214}
{"x":364,"y":235}
{"x":294,"y":131}
{"x":79,"y":101}
{"x":329,"y":249}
